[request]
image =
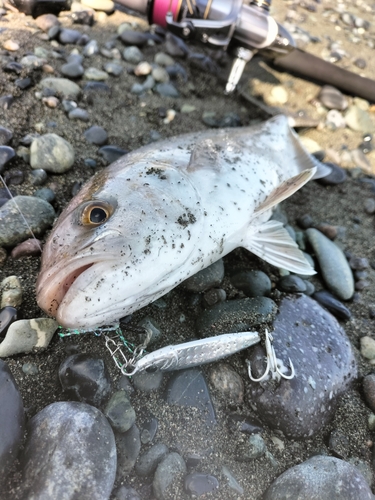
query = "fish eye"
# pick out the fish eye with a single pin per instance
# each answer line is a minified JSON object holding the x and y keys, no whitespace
{"x":96,"y":213}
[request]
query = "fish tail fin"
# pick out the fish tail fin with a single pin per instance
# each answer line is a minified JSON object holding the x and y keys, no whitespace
{"x":271,"y":242}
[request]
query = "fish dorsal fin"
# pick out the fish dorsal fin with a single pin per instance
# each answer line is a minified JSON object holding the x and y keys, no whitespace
{"x":271,"y":242}
{"x":284,"y":190}
{"x":206,"y":154}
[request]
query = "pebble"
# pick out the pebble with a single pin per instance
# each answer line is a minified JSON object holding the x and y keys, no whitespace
{"x":69,"y":36}
{"x":368,"y":385}
{"x":244,"y":424}
{"x":163,"y":59}
{"x":332,"y":98}
{"x":255,"y":447}
{"x":148,"y":462}
{"x":236,"y":316}
{"x":12,"y":418}
{"x":336,"y":119}
{"x":277,"y":96}
{"x":6,"y":155}
{"x":5,"y":136}
{"x":167,"y":90}
{"x":46,"y":194}
{"x":38,"y":177}
{"x":214,"y":296}
{"x":46,"y":21}
{"x":328,"y":230}
{"x":337,"y":175}
{"x":326,"y":477}
{"x":333,"y":305}
{"x":189,"y":388}
{"x":252,"y":283}
{"x":132,"y":55}
{"x":211,"y":276}
{"x":11,"y":292}
{"x":23,"y":83}
{"x":359,"y":120}
{"x":227,"y":382}
{"x":175,"y":46}
{"x":63,"y":86}
{"x":72,"y":70}
{"x":168,"y":471}
{"x":149,"y":429}
{"x":128,"y":446}
{"x":369,"y":206}
{"x":333,"y":265}
{"x":51,"y":153}
{"x":28,"y":334}
{"x":111,"y":153}
{"x":324,"y":363}
{"x":102,"y":5}
{"x":96,"y":74}
{"x":160,"y":75}
{"x":360,"y":160}
{"x":134,"y":38}
{"x":338,"y":444}
{"x":119,"y":412}
{"x":73,"y":441}
{"x":96,"y":135}
{"x":13,"y":230}
{"x":368,"y":347}
{"x":79,"y":114}
{"x":197,"y":484}
{"x":144,"y":68}
{"x":30,"y":369}
{"x":85,"y":378}
{"x":291,"y":284}
{"x":8,"y":315}
{"x":358,"y":263}
{"x":11,"y":45}
{"x":33,"y":61}
{"x":232,"y":481}
{"x":113,"y":69}
{"x":91,"y":49}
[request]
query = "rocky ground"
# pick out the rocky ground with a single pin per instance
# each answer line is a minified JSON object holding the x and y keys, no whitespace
{"x":133,"y":115}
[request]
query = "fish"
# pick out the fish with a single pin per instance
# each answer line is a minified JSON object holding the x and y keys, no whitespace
{"x":161,"y":213}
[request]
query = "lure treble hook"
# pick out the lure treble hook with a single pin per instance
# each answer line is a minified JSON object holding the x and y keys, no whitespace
{"x":273,"y":366}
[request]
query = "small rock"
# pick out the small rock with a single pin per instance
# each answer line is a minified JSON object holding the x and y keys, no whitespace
{"x":147,"y":382}
{"x":13,"y":230}
{"x":292,"y":284}
{"x":67,"y":35}
{"x":128,"y":447}
{"x":79,"y":114}
{"x":6,"y":155}
{"x":226,"y":381}
{"x":27,"y":334}
{"x":8,"y":315}
{"x":5,"y":136}
{"x":38,"y":177}
{"x":359,"y":120}
{"x":46,"y":21}
{"x":338,"y":444}
{"x":72,"y":70}
{"x":163,"y":59}
{"x":252,"y":283}
{"x":30,"y":369}
{"x":369,"y":390}
{"x":132,"y":55}
{"x":11,"y":45}
{"x":102,"y":5}
{"x":255,"y":447}
{"x":368,"y":347}
{"x":111,"y":153}
{"x":113,"y":69}
{"x":119,"y":412}
{"x":61,"y":85}
{"x":333,"y":264}
{"x":64,"y":438}
{"x":160,"y":75}
{"x":175,"y":46}
{"x":12,"y":420}
{"x":167,"y":473}
{"x":95,"y":74}
{"x":143,"y":69}
{"x":51,"y":153}
{"x":197,"y":484}
{"x":332,"y":98}
{"x":326,"y":477}
{"x":278,"y":95}
{"x":210,"y":277}
{"x":369,"y":206}
{"x":148,"y":462}
{"x":134,"y":38}
{"x":333,"y":305}
{"x":338,"y":175}
{"x":167,"y":90}
{"x":91,"y":49}
{"x":86,"y":378}
{"x":244,"y":424}
{"x":11,"y":292}
{"x":96,"y":135}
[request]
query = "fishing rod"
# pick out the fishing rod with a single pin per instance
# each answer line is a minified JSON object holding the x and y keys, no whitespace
{"x":246,"y":30}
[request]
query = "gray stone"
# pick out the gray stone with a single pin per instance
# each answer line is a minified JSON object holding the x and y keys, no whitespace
{"x":332,"y":98}
{"x":72,"y":70}
{"x":160,"y":75}
{"x":359,"y":120}
{"x":28,"y":334}
{"x":148,"y":382}
{"x":5,"y":136}
{"x":163,"y":59}
{"x":167,"y":90}
{"x":113,"y":68}
{"x":61,"y":85}
{"x":236,"y":315}
{"x":67,"y":35}
{"x":13,"y":230}
{"x":12,"y":420}
{"x":167,"y":473}
{"x":128,"y":448}
{"x":119,"y":412}
{"x":96,"y":75}
{"x":96,"y":135}
{"x":148,"y":462}
{"x":6,"y":155}
{"x":132,"y":55}
{"x":255,"y":447}
{"x":70,"y":453}
{"x":211,"y":276}
{"x":324,"y":364}
{"x":79,"y":114}
{"x":334,"y":267}
{"x":252,"y":283}
{"x":292,"y":284}
{"x":51,"y":153}
{"x":320,"y":478}
{"x":91,"y":48}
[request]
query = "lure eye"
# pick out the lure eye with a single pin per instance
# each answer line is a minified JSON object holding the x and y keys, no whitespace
{"x":96,"y":213}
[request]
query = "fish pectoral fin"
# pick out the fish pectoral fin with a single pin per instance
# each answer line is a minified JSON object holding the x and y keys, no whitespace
{"x":284,"y":190}
{"x":271,"y":242}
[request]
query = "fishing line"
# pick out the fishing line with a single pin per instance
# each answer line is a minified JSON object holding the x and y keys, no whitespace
{"x":19,"y":210}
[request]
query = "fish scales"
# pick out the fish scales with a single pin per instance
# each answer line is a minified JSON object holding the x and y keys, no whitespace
{"x":162,"y":213}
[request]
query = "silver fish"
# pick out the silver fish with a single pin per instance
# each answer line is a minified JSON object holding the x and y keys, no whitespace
{"x":162,"y":213}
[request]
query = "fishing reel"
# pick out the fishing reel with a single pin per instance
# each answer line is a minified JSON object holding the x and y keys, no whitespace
{"x":221,"y":24}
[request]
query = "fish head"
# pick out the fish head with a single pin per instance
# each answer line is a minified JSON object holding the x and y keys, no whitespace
{"x":118,"y":246}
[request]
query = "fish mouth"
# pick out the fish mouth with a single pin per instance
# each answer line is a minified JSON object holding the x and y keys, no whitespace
{"x":52,"y":287}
